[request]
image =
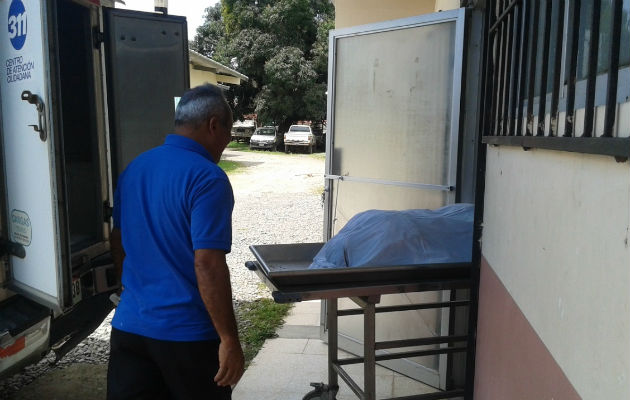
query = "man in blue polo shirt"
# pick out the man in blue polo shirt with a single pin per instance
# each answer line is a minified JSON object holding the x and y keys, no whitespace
{"x":174,"y":334}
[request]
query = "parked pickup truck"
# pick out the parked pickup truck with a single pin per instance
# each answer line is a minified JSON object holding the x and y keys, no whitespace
{"x":243,"y":130}
{"x":299,"y":136}
{"x":266,"y":137}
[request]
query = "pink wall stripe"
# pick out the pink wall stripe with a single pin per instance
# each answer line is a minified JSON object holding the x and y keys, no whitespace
{"x":512,"y":361}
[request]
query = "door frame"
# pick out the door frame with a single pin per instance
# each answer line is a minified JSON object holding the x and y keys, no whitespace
{"x":432,"y":377}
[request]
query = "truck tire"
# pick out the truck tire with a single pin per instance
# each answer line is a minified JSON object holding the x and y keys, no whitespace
{"x":286,"y":148}
{"x":310,"y":149}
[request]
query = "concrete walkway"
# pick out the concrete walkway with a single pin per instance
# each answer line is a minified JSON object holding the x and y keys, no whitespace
{"x":286,"y":365}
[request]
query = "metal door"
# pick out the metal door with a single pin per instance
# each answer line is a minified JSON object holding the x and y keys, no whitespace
{"x":147,"y":68}
{"x":28,"y":152}
{"x":393,"y":120}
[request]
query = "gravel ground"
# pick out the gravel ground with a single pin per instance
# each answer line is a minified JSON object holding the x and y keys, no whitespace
{"x":278,"y":200}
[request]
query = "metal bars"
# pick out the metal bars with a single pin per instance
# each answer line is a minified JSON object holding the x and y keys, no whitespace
{"x":593,"y":51}
{"x":522,"y":69}
{"x":555,"y":94}
{"x":518,"y":55}
{"x":369,"y":310}
{"x":572,"y":52}
{"x":532,"y":69}
{"x":613,"y":75}
{"x":407,"y":307}
{"x":533,"y":75}
{"x":542,"y":102}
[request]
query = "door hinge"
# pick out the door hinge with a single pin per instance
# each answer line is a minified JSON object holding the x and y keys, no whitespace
{"x":11,"y":248}
{"x":107,"y":211}
{"x":97,"y":37}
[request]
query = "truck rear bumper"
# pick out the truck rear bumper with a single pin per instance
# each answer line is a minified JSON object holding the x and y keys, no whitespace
{"x":24,"y":333}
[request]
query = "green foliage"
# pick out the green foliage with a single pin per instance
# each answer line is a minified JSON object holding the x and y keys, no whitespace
{"x":282,"y":46}
{"x":292,"y":23}
{"x":210,"y":36}
{"x":319,"y":51}
{"x":288,"y":77}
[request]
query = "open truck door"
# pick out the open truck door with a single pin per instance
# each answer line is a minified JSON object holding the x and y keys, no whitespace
{"x":66,"y":135}
{"x":147,"y":69}
{"x":28,"y":147}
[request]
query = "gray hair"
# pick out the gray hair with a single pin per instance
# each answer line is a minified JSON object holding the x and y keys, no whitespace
{"x":201,"y":103}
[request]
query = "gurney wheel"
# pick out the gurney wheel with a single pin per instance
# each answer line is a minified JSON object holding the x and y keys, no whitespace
{"x":321,"y":392}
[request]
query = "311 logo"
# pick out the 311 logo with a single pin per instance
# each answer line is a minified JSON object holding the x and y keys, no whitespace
{"x":17,"y":24}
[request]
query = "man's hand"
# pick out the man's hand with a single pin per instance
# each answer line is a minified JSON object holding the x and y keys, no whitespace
{"x":213,"y":279}
{"x":231,"y":363}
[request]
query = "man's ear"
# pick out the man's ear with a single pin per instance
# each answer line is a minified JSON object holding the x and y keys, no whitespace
{"x":212,"y":124}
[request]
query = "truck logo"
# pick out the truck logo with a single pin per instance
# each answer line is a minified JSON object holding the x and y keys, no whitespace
{"x":17,"y":24}
{"x":21,"y":230}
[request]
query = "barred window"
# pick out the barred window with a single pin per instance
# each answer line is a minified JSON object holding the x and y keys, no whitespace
{"x":558,"y":75}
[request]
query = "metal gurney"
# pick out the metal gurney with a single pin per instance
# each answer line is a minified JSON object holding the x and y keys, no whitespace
{"x":284,"y":269}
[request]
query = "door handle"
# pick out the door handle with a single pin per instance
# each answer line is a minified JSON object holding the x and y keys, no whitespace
{"x":41,"y":116}
{"x":12,"y":248}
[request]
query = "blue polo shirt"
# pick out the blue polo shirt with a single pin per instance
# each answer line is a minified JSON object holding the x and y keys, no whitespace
{"x":170,"y":201}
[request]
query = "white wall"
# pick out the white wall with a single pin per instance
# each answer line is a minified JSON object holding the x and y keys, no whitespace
{"x":199,"y":77}
{"x":556,"y":232}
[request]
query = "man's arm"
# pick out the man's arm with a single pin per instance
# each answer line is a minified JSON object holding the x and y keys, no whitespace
{"x":213,"y":279}
{"x":116,"y":248}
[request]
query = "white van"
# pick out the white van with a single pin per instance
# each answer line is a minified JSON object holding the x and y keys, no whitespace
{"x":84,"y":88}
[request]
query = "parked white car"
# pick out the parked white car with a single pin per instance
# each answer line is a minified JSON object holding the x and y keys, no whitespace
{"x":266,"y":137}
{"x":299,"y":136}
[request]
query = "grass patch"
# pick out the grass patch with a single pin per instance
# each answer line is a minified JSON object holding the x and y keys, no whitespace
{"x":257,"y":321}
{"x":230,"y":166}
{"x":242,"y":146}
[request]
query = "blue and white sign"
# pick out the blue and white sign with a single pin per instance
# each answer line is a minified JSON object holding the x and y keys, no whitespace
{"x":21,"y":231}
{"x":17,"y":24}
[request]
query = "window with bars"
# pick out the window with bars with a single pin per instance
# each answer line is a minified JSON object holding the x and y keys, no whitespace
{"x":557,"y":75}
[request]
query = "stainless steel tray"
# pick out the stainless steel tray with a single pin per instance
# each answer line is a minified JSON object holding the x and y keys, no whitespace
{"x":284,"y":268}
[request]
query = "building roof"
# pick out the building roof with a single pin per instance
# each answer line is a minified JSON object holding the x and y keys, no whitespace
{"x":205,"y":63}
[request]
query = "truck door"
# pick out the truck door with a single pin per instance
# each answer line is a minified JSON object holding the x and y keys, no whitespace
{"x":147,"y":68}
{"x":28,"y":152}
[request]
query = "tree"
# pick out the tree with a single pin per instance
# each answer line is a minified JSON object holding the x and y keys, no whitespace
{"x":211,"y":36}
{"x":281,"y":45}
{"x":288,"y":78}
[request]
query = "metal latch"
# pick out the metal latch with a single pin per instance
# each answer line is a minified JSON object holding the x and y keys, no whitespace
{"x":41,"y":116}
{"x":12,"y":248}
{"x":97,"y":37}
{"x":107,"y":211}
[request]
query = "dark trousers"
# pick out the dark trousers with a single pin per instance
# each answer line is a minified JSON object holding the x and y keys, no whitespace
{"x":145,"y":368}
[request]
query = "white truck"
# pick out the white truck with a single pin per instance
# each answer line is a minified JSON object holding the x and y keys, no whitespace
{"x":84,"y":88}
{"x":243,"y":130}
{"x":299,"y":136}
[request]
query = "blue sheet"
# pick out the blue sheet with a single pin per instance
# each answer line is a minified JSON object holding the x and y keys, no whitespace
{"x":388,"y":238}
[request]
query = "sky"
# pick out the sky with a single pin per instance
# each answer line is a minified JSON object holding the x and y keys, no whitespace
{"x":193,"y":10}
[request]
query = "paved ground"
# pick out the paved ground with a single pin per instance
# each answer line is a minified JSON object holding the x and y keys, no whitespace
{"x":276,"y":172}
{"x":285,"y":366}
